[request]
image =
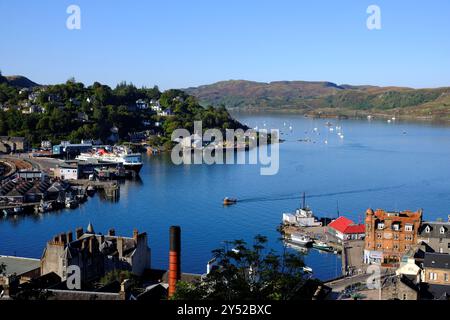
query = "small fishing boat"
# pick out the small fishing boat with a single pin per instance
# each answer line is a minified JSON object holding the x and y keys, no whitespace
{"x":300,"y":239}
{"x":18,"y":209}
{"x":45,"y":206}
{"x":320,"y":245}
{"x":90,"y":190}
{"x":229,"y":201}
{"x":307,"y":269}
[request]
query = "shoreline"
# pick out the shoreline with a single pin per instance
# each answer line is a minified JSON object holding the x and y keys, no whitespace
{"x":345,"y":114}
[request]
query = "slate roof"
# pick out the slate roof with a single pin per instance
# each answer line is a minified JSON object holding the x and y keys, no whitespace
{"x":434,"y":230}
{"x":436,"y":260}
{"x":19,"y":265}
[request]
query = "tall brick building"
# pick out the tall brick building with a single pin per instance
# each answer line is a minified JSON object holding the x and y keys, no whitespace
{"x":389,"y":235}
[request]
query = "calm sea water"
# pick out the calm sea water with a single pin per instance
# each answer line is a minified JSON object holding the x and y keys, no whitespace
{"x":393,"y":166}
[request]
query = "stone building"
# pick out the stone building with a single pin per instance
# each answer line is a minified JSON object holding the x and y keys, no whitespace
{"x":436,"y":269}
{"x":95,"y":254}
{"x":436,"y":235}
{"x":13,"y":144}
{"x":389,"y":235}
{"x":400,"y":288}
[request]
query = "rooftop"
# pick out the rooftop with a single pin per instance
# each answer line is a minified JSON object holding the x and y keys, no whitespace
{"x":436,"y":260}
{"x":18,"y":265}
{"x":347,"y":226}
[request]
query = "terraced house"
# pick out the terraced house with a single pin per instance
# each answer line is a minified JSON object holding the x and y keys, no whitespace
{"x":389,"y":235}
{"x":436,"y":235}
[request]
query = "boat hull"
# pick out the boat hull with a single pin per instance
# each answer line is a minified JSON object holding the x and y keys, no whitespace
{"x":134,"y":167}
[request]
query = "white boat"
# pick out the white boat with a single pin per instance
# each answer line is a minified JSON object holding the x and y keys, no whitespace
{"x":300,"y":239}
{"x":18,"y":209}
{"x":119,"y":155}
{"x":307,"y":269}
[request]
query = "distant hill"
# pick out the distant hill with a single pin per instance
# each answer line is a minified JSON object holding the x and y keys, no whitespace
{"x":19,"y":81}
{"x":324,"y":98}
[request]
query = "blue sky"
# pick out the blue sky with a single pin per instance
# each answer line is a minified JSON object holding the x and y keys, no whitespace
{"x":176,"y":44}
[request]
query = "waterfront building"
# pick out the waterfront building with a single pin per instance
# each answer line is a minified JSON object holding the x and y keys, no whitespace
{"x":436,"y":235}
{"x":343,"y":229}
{"x":95,"y":254}
{"x":389,"y":235}
{"x":67,"y":172}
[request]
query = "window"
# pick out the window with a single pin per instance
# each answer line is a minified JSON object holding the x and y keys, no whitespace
{"x":409,"y":227}
{"x":427,"y":229}
{"x":408,"y":237}
{"x":446,"y":277}
{"x":442,"y":230}
{"x":379,"y":245}
{"x":405,"y":296}
{"x":379,"y":235}
{"x":396,"y":237}
{"x":432,"y":276}
{"x":395,"y":246}
{"x":381,"y":226}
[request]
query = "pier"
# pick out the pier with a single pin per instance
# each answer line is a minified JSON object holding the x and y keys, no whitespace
{"x":351,"y":251}
{"x":110,"y":188}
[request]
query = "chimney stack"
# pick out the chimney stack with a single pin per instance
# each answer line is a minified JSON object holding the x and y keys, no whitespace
{"x":119,"y":246}
{"x":69,"y":236}
{"x":135,"y":234}
{"x":174,"y":258}
{"x":111,"y":232}
{"x":63,"y":238}
{"x":79,"y":232}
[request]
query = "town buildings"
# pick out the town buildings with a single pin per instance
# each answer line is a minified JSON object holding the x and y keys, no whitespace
{"x":343,"y":229}
{"x":389,"y":235}
{"x":95,"y":254}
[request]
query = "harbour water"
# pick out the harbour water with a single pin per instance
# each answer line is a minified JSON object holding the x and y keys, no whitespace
{"x":393,"y":166}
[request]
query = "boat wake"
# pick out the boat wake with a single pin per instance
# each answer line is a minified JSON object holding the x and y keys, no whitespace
{"x":322,"y":195}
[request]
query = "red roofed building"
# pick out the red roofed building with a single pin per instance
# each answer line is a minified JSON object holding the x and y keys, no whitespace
{"x":344,"y":229}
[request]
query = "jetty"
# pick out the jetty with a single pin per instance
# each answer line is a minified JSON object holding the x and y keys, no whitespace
{"x":111,"y":189}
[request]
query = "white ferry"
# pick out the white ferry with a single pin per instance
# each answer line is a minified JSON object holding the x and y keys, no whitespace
{"x":118,"y":155}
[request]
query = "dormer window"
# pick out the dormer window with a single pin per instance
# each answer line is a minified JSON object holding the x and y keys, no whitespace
{"x":381,"y":226}
{"x":427,"y":229}
{"x":409,"y":227}
{"x":442,"y":230}
{"x":396,"y":226}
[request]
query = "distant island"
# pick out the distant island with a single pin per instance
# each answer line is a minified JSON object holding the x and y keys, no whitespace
{"x":74,"y":112}
{"x":326,"y":99}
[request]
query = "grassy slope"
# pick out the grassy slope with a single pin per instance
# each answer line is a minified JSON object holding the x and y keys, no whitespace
{"x":326,"y":98}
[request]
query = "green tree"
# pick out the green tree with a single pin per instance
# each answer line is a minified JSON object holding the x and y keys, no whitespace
{"x":251,"y":272}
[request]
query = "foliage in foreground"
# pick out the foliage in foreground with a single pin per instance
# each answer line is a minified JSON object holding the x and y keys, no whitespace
{"x":251,"y":272}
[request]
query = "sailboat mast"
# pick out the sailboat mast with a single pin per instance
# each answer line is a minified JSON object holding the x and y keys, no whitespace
{"x":304,"y":201}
